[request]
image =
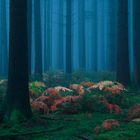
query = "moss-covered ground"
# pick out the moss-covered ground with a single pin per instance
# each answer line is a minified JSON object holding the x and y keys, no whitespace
{"x":79,"y":126}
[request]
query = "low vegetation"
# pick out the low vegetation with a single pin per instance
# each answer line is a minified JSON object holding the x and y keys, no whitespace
{"x":86,"y":110}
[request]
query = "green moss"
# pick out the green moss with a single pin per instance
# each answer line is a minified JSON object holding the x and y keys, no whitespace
{"x":91,"y":114}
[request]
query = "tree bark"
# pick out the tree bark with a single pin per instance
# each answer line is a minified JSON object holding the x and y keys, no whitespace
{"x":17,"y":97}
{"x":136,"y":40}
{"x":81,"y":34}
{"x":123,"y":68}
{"x":38,"y":42}
{"x":68,"y":37}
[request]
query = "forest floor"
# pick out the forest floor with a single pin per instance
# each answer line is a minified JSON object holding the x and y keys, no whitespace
{"x":92,"y":111}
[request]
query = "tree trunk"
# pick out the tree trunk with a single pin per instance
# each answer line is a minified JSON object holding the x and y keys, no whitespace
{"x":81,"y":34}
{"x":30,"y":34}
{"x":61,"y":54}
{"x":111,"y":39}
{"x":38,"y":42}
{"x":47,"y":49}
{"x":123,"y":68}
{"x":136,"y":40}
{"x":4,"y":44}
{"x":17,"y":97}
{"x":95,"y":34}
{"x":45,"y":36}
{"x":68,"y":37}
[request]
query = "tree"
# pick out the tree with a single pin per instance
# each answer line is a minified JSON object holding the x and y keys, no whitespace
{"x":45,"y":35}
{"x":111,"y":38}
{"x":68,"y":37}
{"x":123,"y":69}
{"x":0,"y":38}
{"x":29,"y":8}
{"x":38,"y":42}
{"x":94,"y":34}
{"x":101,"y":34}
{"x":81,"y":34}
{"x":48,"y":34}
{"x":60,"y":50}
{"x":17,"y":97}
{"x":136,"y":40}
{"x":4,"y":40}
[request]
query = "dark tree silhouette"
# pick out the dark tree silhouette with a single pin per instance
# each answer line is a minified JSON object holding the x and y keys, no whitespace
{"x":123,"y":68}
{"x":136,"y":40}
{"x":17,"y":97}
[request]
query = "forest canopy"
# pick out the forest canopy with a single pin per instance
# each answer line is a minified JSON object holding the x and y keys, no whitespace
{"x":67,"y":35}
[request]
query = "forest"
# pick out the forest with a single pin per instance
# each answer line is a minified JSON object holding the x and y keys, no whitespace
{"x":69,"y":69}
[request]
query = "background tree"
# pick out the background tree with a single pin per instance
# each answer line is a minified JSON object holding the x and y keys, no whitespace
{"x":17,"y":97}
{"x":38,"y":41}
{"x":29,"y":8}
{"x":136,"y":39}
{"x":48,"y":35}
{"x":94,"y":34}
{"x":45,"y":35}
{"x":68,"y":36}
{"x":3,"y":38}
{"x":101,"y":35}
{"x":111,"y":35}
{"x":81,"y":34}
{"x":60,"y":36}
{"x":123,"y":69}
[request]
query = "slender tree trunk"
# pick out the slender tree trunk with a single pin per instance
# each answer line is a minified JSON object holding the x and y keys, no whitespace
{"x":0,"y":39}
{"x":38,"y":42}
{"x":45,"y":35}
{"x":61,"y":55}
{"x":123,"y":68}
{"x":47,"y":50}
{"x":95,"y":34}
{"x":68,"y":37}
{"x":81,"y":34}
{"x":17,"y":97}
{"x":3,"y":38}
{"x":111,"y":41}
{"x":30,"y":34}
{"x":136,"y":40}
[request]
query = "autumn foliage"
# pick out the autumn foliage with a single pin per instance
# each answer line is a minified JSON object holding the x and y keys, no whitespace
{"x":108,"y":86}
{"x":133,"y":112}
{"x":107,"y":124}
{"x":51,"y":98}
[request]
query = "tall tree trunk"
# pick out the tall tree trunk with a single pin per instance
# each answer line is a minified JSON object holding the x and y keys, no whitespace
{"x":61,"y":54}
{"x":38,"y":42}
{"x":136,"y":40}
{"x":47,"y":50}
{"x":95,"y":34}
{"x":81,"y":34}
{"x":111,"y":39}
{"x":68,"y":37}
{"x":30,"y":34}
{"x":3,"y":38}
{"x":17,"y":97}
{"x":123,"y":68}
{"x":101,"y":35}
{"x":45,"y":35}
